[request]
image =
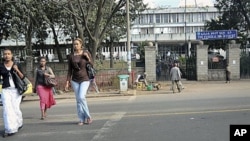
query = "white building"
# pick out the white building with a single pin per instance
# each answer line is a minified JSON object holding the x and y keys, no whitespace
{"x":171,"y":27}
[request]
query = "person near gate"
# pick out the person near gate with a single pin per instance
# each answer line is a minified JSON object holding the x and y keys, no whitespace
{"x":228,"y":73}
{"x":78,"y":77}
{"x":175,"y":76}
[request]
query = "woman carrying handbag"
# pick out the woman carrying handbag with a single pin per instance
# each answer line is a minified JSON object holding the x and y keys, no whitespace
{"x":11,"y":98}
{"x":45,"y":92}
{"x":79,"y":79}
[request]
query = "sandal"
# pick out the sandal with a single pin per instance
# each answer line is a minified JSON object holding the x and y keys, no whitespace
{"x":89,"y":121}
{"x":80,"y":123}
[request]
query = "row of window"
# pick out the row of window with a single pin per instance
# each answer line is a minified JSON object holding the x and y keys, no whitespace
{"x":192,"y":29}
{"x":176,"y":17}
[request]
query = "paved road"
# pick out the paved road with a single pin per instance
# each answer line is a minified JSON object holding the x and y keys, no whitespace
{"x":202,"y":112}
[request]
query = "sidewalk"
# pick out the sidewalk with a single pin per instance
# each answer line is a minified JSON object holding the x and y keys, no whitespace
{"x":165,"y":89}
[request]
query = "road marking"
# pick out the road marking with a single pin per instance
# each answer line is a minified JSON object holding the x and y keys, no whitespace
{"x":185,"y":113}
{"x":50,"y":133}
{"x":94,"y":99}
{"x":106,"y":127}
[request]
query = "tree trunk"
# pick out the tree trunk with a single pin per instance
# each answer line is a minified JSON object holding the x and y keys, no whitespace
{"x":94,"y":49}
{"x":59,"y":54}
{"x":111,"y":48}
{"x":28,"y":39}
{"x":79,"y":28}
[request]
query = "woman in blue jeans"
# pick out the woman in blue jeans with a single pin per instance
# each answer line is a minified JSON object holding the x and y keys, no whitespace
{"x":78,"y":77}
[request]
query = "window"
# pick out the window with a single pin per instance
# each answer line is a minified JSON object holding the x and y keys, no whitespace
{"x":151,"y":18}
{"x":145,"y":19}
{"x":165,"y":18}
{"x":203,"y":17}
{"x":199,"y":17}
{"x":180,"y":29}
{"x":181,"y":17}
{"x":195,"y":17}
{"x":140,"y":19}
{"x":187,"y":18}
{"x":158,"y":18}
{"x":173,"y":18}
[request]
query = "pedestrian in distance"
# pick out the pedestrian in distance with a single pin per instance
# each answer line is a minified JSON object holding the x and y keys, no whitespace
{"x":11,"y":98}
{"x":45,"y":92}
{"x":228,"y":74}
{"x":175,"y":76}
{"x":78,"y":77}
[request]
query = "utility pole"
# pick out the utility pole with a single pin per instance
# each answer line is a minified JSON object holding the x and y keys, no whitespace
{"x":128,"y":38}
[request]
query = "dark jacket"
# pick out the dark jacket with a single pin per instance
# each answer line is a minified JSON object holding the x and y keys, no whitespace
{"x":6,"y":75}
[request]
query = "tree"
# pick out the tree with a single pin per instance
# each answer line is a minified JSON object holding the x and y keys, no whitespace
{"x":24,"y":19}
{"x":141,"y":50}
{"x":237,"y":10}
{"x":55,"y":18}
{"x":233,"y":16}
{"x":97,"y":16}
{"x":4,"y":20}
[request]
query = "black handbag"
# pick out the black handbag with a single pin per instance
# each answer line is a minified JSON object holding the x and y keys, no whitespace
{"x":91,"y":71}
{"x":21,"y":84}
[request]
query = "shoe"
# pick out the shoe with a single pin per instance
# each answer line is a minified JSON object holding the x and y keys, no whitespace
{"x":19,"y":128}
{"x":42,"y":118}
{"x":8,"y":134}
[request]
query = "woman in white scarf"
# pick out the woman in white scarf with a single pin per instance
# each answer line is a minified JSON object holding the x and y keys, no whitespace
{"x":12,"y":115}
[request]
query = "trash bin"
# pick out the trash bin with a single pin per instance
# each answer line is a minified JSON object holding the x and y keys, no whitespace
{"x":123,"y":82}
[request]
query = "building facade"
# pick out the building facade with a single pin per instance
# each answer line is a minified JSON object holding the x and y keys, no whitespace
{"x":171,"y":28}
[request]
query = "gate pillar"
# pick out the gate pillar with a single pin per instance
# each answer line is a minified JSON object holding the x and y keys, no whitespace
{"x":150,"y":62}
{"x":202,"y":62}
{"x":233,"y":59}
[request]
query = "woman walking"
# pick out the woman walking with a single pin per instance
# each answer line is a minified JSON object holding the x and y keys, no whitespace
{"x":78,"y":77}
{"x":45,"y":92}
{"x":11,"y":99}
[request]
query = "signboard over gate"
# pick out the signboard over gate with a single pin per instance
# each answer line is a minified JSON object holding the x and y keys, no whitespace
{"x":216,"y":35}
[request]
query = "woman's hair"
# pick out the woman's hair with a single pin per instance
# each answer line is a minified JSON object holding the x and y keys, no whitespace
{"x":7,"y":49}
{"x":42,"y":57}
{"x":80,"y":40}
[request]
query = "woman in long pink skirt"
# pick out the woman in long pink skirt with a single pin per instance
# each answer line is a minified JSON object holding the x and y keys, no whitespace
{"x":45,"y":92}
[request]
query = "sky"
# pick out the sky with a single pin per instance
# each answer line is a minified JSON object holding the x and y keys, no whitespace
{"x":164,"y":3}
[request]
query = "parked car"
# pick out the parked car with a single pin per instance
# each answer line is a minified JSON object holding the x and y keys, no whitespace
{"x":28,"y":92}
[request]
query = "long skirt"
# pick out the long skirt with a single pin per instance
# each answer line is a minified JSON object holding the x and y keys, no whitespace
{"x":46,"y":97}
{"x":12,"y":114}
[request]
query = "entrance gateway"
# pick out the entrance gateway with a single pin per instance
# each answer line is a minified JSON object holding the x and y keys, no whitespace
{"x":168,"y":53}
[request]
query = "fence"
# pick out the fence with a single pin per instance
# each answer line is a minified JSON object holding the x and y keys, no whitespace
{"x":105,"y":79}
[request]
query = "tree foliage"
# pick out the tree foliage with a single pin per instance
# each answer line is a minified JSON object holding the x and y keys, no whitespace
{"x":102,"y":18}
{"x":234,"y":15}
{"x":4,"y":19}
{"x":93,"y":21}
